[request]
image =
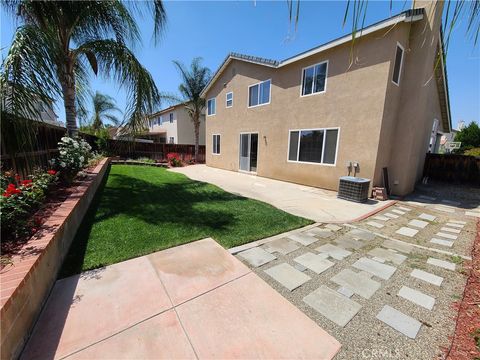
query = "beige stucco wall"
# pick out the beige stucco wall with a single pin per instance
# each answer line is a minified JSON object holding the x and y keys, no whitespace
{"x":353,"y":101}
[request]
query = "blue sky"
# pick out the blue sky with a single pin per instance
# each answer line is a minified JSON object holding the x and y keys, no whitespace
{"x":213,"y":29}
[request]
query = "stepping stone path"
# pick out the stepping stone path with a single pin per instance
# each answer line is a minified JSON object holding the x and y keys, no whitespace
{"x":334,"y":251}
{"x":398,"y":245}
{"x":345,"y":292}
{"x":459,"y":226}
{"x":332,"y":305}
{"x":448,"y":243}
{"x":381,"y":218}
{"x":406,"y":231}
{"x":375,"y":224}
{"x":458,"y":222}
{"x":407,"y":325}
{"x":361,"y":234}
{"x":288,"y":276}
{"x":256,"y":256}
{"x":444,"y":209}
{"x":403,"y":208}
{"x":316,"y":263}
{"x":392,"y":216}
{"x":427,"y":217}
{"x":303,"y":239}
{"x":399,"y":212}
{"x":427,"y":277}
{"x":448,"y":236}
{"x":417,"y":297}
{"x":418,"y":223}
{"x":377,"y":259}
{"x":322,"y":233}
{"x":347,"y":242}
{"x":359,"y":284}
{"x":388,"y":255}
{"x":383,"y":271}
{"x":447,"y":229}
{"x":442,"y":263}
{"x":333,"y":227}
{"x":283,"y":246}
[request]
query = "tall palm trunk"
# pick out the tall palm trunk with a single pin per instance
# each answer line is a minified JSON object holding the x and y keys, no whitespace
{"x":196,"y":125}
{"x":68,"y":89}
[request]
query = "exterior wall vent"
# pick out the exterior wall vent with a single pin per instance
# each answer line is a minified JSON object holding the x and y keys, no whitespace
{"x":353,"y":188}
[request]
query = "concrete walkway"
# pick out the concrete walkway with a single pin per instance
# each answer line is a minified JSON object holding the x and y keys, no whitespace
{"x":309,"y":202}
{"x":193,"y":301}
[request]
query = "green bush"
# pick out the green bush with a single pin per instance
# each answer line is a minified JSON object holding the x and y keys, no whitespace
{"x":472,"y":152}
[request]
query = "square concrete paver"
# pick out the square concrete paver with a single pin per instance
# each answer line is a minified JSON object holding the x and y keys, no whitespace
{"x":283,"y":246}
{"x":345,"y":292}
{"x":334,"y":251}
{"x":288,"y":276}
{"x":375,"y":224}
{"x":347,"y":242}
{"x":86,"y":308}
{"x":458,"y":226}
{"x":399,"y":212}
{"x":189,"y":270}
{"x":247,"y":319}
{"x":406,"y":231}
{"x":427,"y":217}
{"x":381,"y":218}
{"x":404,"y":208}
{"x":444,"y":209}
{"x":418,"y":223}
{"x":361,"y":234}
{"x":388,"y":255}
{"x":383,"y":271}
{"x":333,"y":227}
{"x":359,"y":284}
{"x":407,"y":325}
{"x":316,"y":263}
{"x":442,"y":263}
{"x":321,"y":233}
{"x":160,"y":337}
{"x":391,"y":216}
{"x":427,"y":277}
{"x":303,"y":239}
{"x":332,"y":305}
{"x":458,"y":222}
{"x":448,"y":236}
{"x":398,"y":245}
{"x":473,"y":213}
{"x":257,"y":256}
{"x":417,"y":297}
{"x":442,"y":242}
{"x":451,"y":230}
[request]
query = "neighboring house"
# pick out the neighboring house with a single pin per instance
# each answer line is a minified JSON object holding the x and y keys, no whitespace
{"x":174,"y":126}
{"x":307,"y":118}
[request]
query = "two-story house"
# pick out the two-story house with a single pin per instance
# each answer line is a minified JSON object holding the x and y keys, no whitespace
{"x":309,"y":118}
{"x":174,"y":126}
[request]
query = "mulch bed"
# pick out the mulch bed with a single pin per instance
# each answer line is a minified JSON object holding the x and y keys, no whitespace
{"x":466,"y":340}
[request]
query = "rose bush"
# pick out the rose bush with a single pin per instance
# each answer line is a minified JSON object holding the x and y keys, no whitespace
{"x":74,"y":154}
{"x":174,"y":159}
{"x":20,"y":199}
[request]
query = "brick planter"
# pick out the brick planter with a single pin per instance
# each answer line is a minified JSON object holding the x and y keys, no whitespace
{"x":28,"y":279}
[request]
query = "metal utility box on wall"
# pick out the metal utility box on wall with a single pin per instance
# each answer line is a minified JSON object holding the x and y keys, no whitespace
{"x":353,"y":188}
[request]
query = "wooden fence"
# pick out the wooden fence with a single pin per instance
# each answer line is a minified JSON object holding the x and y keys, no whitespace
{"x":39,"y":145}
{"x":453,"y":168}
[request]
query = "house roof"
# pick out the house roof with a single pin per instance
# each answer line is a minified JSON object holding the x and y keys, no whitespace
{"x":166,"y":110}
{"x":405,"y":16}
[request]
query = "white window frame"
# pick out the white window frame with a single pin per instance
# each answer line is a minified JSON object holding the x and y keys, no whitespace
{"x":302,"y":78}
{"x":323,"y":146}
{"x":269,"y":94}
{"x":219,"y":139}
{"x":401,"y":63}
{"x":170,"y":140}
{"x":226,"y":99}
{"x":215,"y":100}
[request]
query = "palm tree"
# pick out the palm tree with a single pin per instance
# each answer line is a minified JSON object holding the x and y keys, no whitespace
{"x":194,"y":80}
{"x":57,"y":45}
{"x":104,"y":109}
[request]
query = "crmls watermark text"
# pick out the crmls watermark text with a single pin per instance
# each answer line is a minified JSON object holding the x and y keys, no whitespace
{"x":380,"y":353}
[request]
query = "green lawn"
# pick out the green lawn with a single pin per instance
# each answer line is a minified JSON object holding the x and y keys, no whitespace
{"x":143,"y":209}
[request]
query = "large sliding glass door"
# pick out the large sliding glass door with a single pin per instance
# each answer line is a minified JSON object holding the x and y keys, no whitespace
{"x":248,"y":152}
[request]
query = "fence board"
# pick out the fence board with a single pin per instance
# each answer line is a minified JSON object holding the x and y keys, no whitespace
{"x":453,"y":168}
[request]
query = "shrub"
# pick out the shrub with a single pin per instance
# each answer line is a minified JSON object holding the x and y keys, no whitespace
{"x":74,"y":154}
{"x":473,"y":152}
{"x":174,"y":159}
{"x":20,"y":199}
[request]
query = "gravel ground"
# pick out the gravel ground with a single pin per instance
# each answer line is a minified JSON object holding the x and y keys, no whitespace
{"x":365,"y":336}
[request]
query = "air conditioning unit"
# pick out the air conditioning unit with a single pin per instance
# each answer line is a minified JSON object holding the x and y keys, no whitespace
{"x":353,"y":188}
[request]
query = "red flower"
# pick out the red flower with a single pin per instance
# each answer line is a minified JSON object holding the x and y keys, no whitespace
{"x":51,"y":172}
{"x":26,"y":183}
{"x":17,"y":177}
{"x":11,"y":190}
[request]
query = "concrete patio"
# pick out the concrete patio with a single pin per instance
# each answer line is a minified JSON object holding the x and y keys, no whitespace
{"x":193,"y":301}
{"x":309,"y":202}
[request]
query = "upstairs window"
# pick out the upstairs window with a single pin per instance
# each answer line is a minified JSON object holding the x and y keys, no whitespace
{"x":313,"y":146}
{"x":171,"y":140}
{"x":397,"y":69}
{"x":211,"y":107}
{"x":259,"y":94}
{"x":314,"y":79}
{"x":216,"y":144}
{"x":170,"y":117}
{"x":229,"y":99}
